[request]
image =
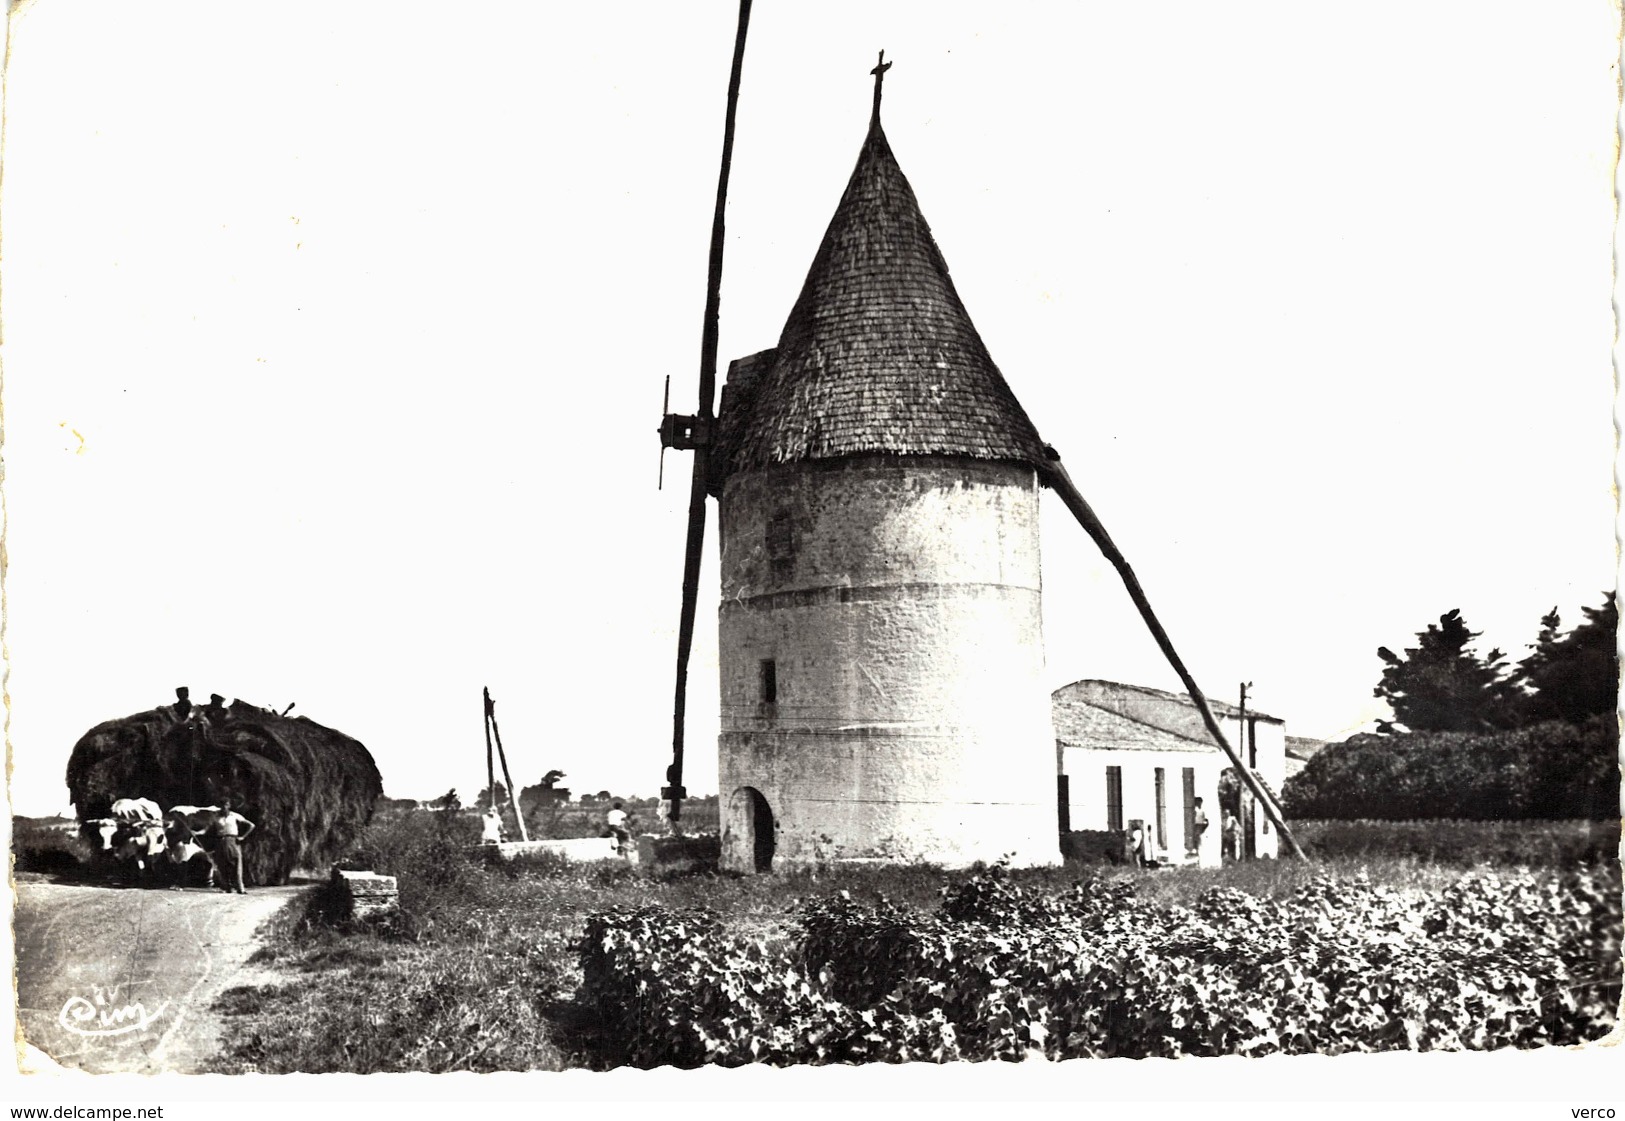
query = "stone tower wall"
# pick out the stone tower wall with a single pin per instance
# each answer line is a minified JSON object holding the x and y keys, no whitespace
{"x":904,"y":715}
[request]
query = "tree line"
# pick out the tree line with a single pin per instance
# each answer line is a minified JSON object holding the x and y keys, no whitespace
{"x":1442,"y":684}
{"x":1476,"y":736}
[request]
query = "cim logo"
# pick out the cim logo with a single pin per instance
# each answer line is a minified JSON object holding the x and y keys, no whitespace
{"x":103,"y":1014}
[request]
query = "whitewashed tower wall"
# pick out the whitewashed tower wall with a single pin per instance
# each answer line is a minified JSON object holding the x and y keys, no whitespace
{"x":897,"y":602}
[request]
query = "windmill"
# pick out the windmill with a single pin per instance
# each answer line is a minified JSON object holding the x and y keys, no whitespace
{"x":881,"y":645}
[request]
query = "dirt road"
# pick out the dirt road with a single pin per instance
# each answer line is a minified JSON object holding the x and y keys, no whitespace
{"x":121,"y":980}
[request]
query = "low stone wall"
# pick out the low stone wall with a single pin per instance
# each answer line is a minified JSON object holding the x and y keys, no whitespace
{"x":652,"y":853}
{"x":363,"y":896}
{"x":570,"y":848}
{"x":679,"y":854}
{"x":1096,"y":846}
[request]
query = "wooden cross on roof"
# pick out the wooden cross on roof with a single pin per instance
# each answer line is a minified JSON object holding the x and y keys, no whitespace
{"x":880,"y":76}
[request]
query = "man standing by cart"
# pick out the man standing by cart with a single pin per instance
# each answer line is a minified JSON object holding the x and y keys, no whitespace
{"x":230,"y":829}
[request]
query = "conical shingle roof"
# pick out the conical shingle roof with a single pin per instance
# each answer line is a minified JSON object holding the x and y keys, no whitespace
{"x":878,"y":355}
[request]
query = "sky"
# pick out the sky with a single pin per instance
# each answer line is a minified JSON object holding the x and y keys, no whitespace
{"x":335,"y":338}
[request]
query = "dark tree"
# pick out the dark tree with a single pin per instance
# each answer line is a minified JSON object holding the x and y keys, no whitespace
{"x":1573,"y":676}
{"x":484,"y":798}
{"x":1443,"y":685}
{"x":548,"y":792}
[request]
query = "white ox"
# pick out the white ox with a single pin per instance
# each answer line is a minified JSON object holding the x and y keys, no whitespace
{"x":141,"y":842}
{"x":126,"y":818}
{"x":103,"y":828}
{"x":183,"y":825}
{"x":133,"y":833}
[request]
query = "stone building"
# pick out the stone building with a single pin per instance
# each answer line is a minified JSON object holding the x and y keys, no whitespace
{"x":881,"y":645}
{"x":1129,"y":754}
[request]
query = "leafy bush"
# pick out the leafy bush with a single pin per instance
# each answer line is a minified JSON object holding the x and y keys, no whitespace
{"x":1550,"y":770}
{"x":880,"y":944}
{"x":434,"y":856}
{"x":675,"y":987}
{"x":1004,"y":970}
{"x":996,"y":898}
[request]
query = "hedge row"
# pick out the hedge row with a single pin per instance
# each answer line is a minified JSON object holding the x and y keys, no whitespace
{"x":1002,"y":971}
{"x":1536,"y":844}
{"x":1550,"y":771}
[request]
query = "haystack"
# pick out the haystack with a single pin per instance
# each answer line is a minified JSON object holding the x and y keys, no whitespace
{"x":309,"y":789}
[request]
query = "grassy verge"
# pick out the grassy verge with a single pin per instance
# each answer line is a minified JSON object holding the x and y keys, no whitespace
{"x":365,"y":1004}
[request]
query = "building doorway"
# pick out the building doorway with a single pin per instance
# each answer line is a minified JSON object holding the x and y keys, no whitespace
{"x":752,"y":834}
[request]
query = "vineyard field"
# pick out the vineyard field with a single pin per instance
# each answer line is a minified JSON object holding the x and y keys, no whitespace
{"x":1002,"y":971}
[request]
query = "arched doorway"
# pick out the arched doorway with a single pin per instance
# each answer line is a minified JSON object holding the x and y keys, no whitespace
{"x":752,"y":836}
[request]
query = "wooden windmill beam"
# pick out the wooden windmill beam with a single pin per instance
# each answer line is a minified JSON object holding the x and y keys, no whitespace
{"x":695,"y":432}
{"x":1058,"y":479}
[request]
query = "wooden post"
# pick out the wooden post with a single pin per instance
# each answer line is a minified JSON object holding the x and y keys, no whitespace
{"x":1249,"y":846}
{"x":490,"y":764}
{"x":1252,"y":756}
{"x":513,"y":797}
{"x":1243,"y":719}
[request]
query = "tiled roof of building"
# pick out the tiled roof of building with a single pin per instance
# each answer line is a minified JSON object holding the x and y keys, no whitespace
{"x":1220,"y":708}
{"x":1081,"y":724}
{"x":878,"y":354}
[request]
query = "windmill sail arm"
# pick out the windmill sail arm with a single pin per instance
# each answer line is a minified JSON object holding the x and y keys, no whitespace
{"x":695,"y":431}
{"x":713,"y":288}
{"x":1055,"y":475}
{"x":693,"y":550}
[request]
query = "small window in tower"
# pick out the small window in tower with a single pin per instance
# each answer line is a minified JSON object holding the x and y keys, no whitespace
{"x":770,"y":681}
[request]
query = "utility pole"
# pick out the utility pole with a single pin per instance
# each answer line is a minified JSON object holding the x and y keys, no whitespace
{"x":1249,"y":750}
{"x":1249,"y":756}
{"x":491,"y":729}
{"x":490,"y":755}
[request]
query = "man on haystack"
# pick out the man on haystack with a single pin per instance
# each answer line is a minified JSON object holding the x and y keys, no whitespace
{"x":229,"y":829}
